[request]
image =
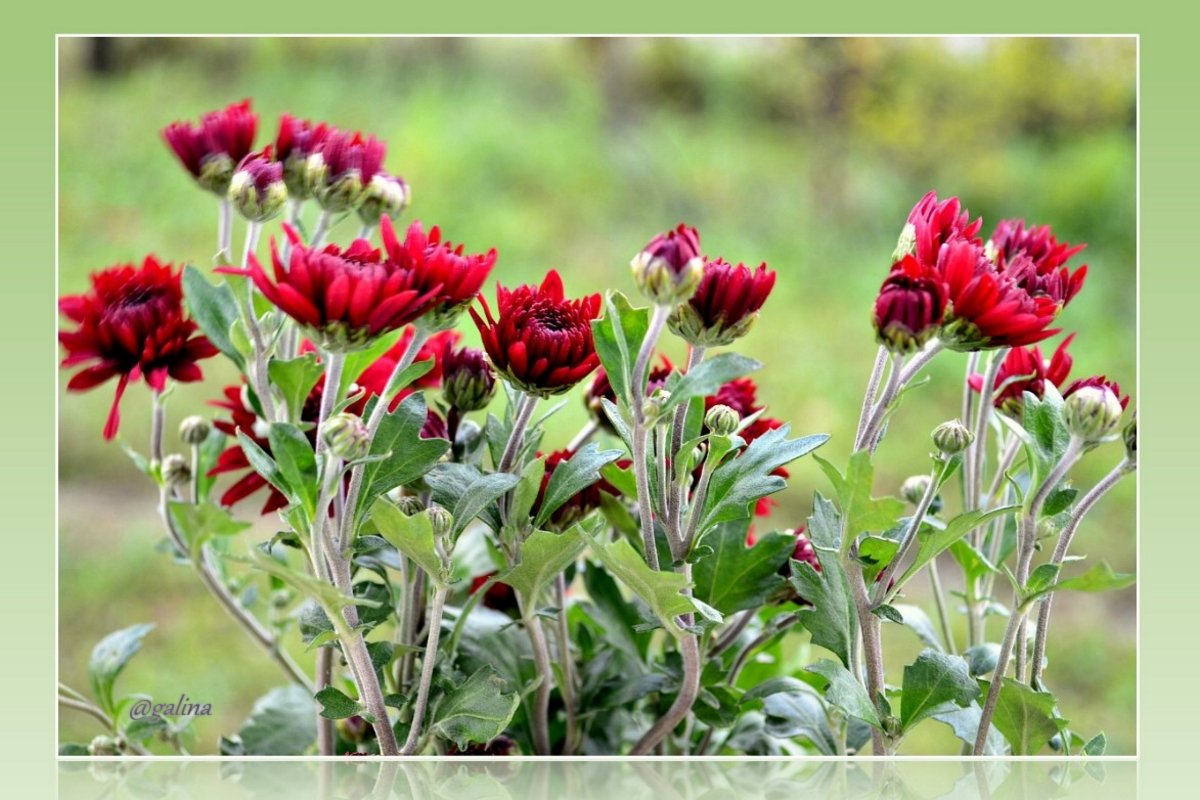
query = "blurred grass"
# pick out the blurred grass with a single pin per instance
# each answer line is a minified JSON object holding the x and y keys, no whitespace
{"x":806,"y":154}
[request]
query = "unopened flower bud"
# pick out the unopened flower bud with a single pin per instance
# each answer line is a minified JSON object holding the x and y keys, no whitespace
{"x":354,"y":729}
{"x":384,"y":195}
{"x":176,"y":471}
{"x":194,"y":429}
{"x":669,"y":268}
{"x":468,"y":382}
{"x":1092,"y":413}
{"x":891,"y":725}
{"x":722,"y":420}
{"x":442,"y":521}
{"x":1130,"y":437}
{"x":654,"y":404}
{"x":952,"y":437}
{"x":410,"y":506}
{"x":257,"y":189}
{"x":346,"y":437}
{"x":914,"y":487}
{"x":103,"y":746}
{"x":216,"y":172}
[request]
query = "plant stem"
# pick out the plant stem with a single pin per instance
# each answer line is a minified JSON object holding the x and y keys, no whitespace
{"x":910,"y":535}
{"x":777,"y":625}
{"x":731,"y":634}
{"x":875,"y":416}
{"x":689,"y":690}
{"x":355,"y":649}
{"x":1060,"y":553}
{"x":584,"y":436}
{"x":993,"y":695}
{"x":967,"y":407}
{"x":366,"y":231}
{"x":872,"y":650}
{"x":257,"y":368}
{"x":94,"y":712}
{"x":539,"y":715}
{"x":939,"y":599}
{"x":881,"y":361}
{"x":428,"y":661}
{"x":516,"y":438}
{"x":324,"y":223}
{"x":224,"y":230}
{"x":977,"y":451}
{"x":325,"y":727}
{"x":567,"y":689}
{"x":677,"y":496}
{"x":640,"y":435}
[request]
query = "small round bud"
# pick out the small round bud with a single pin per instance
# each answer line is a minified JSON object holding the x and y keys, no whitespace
{"x":194,"y":429}
{"x":176,"y":471}
{"x":103,"y":746}
{"x":354,"y":729}
{"x":442,"y":521}
{"x":1092,"y":413}
{"x":891,"y":725}
{"x":468,"y":382}
{"x":216,"y":172}
{"x":653,"y":406}
{"x":913,"y":489}
{"x":698,"y":453}
{"x":410,"y":506}
{"x":1129,"y":435}
{"x":384,"y":195}
{"x":952,"y":437}
{"x":670,"y":267}
{"x":346,"y":437}
{"x":722,"y":420}
{"x":257,"y":189}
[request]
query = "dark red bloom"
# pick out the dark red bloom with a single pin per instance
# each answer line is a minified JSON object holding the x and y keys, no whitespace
{"x":580,"y":505}
{"x":742,"y":396}
{"x":296,"y":141}
{"x":211,"y":149}
{"x":342,"y":166}
{"x":1099,"y":382}
{"x":498,"y":597}
{"x":131,"y":325}
{"x":344,"y":299}
{"x":724,"y":305}
{"x":910,"y":306}
{"x":932,"y":224}
{"x":1025,"y":370}
{"x":1012,"y":238}
{"x":675,"y":248}
{"x":457,"y":276}
{"x":540,"y":341}
{"x":989,"y":308}
{"x":601,"y":389}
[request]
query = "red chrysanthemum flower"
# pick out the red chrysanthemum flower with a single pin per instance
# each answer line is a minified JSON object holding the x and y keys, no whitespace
{"x":131,"y":325}
{"x":540,"y":341}
{"x":342,"y":166}
{"x":343,"y":299}
{"x":910,"y":306}
{"x":296,"y":141}
{"x":456,"y":275}
{"x":742,"y":396}
{"x":724,"y":305}
{"x":601,"y":389}
{"x":1036,"y":260}
{"x":211,"y":149}
{"x":931,"y":225}
{"x":989,"y":308}
{"x":1025,"y":370}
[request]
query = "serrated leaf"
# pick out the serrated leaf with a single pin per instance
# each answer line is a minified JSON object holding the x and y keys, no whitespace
{"x":965,"y":724}
{"x":526,"y":492}
{"x":109,"y":657}
{"x":830,"y":617}
{"x":264,"y":465}
{"x":1041,"y":579}
{"x":281,"y":723}
{"x":335,"y":705}
{"x":710,"y":375}
{"x":933,"y":683}
{"x":733,"y":577}
{"x":450,"y":482}
{"x":199,"y":523}
{"x":479,"y":496}
{"x":617,"y":336}
{"x":408,"y":455}
{"x":799,"y":714}
{"x":860,"y":511}
{"x":571,"y":477}
{"x":319,"y":590}
{"x":844,"y":692}
{"x":932,"y":542}
{"x":661,"y":591}
{"x":1099,"y":578}
{"x":477,"y":711}
{"x":541,"y":558}
{"x":412,"y":536}
{"x":294,"y":379}
{"x":1025,"y":717}
{"x":982,"y":658}
{"x":214,"y":310}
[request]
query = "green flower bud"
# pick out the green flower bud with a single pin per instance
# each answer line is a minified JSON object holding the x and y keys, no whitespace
{"x":1092,"y":413}
{"x":952,"y":437}
{"x":1130,"y":437}
{"x":385,"y":194}
{"x":176,"y":471}
{"x":410,"y":506}
{"x":194,"y":429}
{"x":103,"y":746}
{"x":722,"y":420}
{"x":343,"y":194}
{"x":670,"y":267}
{"x":442,"y":520}
{"x":346,"y":437}
{"x":914,"y":487}
{"x":215,"y":173}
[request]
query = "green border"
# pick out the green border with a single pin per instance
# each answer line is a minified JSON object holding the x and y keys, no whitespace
{"x":1169,"y":282}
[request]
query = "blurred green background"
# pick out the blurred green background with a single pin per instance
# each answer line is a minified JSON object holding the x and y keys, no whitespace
{"x":571,"y":154}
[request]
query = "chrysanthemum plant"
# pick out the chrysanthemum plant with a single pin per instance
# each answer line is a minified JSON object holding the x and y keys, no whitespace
{"x":438,"y":583}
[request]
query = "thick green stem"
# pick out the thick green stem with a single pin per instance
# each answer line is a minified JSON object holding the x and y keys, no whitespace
{"x":539,"y":715}
{"x":428,"y":660}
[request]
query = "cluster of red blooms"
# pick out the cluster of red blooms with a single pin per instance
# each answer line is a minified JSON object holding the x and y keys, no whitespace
{"x":946,"y":282}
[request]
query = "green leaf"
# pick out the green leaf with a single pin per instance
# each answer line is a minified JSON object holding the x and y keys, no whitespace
{"x":710,"y":375}
{"x":1025,"y":717}
{"x":661,"y":591}
{"x":479,"y":710}
{"x":412,"y":536}
{"x":982,"y":658}
{"x":214,"y":309}
{"x":859,"y":510}
{"x":109,"y":657}
{"x":1096,"y":745}
{"x":1059,"y":501}
{"x":831,"y":617}
{"x":281,"y":723}
{"x":1099,"y":578}
{"x":482,"y":494}
{"x":875,"y":553}
{"x":335,"y":705}
{"x":965,"y":724}
{"x":733,"y":577}
{"x":294,"y":455}
{"x":932,"y":542}
{"x":844,"y":692}
{"x":295,"y":379}
{"x":210,"y":451}
{"x":933,"y":683}
{"x":974,"y":563}
{"x":321,"y":591}
{"x":738,"y":484}
{"x":616,"y":616}
{"x":798,"y":712}
{"x":528,"y":488}
{"x":1041,"y":579}
{"x":198,"y":524}
{"x":264,"y":465}
{"x":408,"y":456}
{"x":542,"y":556}
{"x":451,"y":482}
{"x":618,"y":336}
{"x":571,"y":477}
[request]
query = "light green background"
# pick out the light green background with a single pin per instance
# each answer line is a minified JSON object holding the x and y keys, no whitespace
{"x":1168,"y":285}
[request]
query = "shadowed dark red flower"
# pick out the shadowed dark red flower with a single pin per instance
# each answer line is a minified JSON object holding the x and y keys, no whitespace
{"x":343,"y":299}
{"x":1098,"y":382}
{"x":581,"y":503}
{"x":498,"y":597}
{"x":600,"y":389}
{"x":1036,"y":260}
{"x":296,"y":141}
{"x":538,"y":340}
{"x":1025,"y":370}
{"x":131,"y":325}
{"x":990,"y":309}
{"x":742,"y":396}
{"x":910,"y":306}
{"x":341,"y":167}
{"x":932,"y":224}
{"x":257,"y":190}
{"x":724,"y":305}
{"x":211,"y":149}
{"x":457,"y":276}
{"x":668,"y":269}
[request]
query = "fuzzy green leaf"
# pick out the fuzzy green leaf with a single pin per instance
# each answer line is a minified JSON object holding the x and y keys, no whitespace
{"x":844,"y":692}
{"x":932,"y":542}
{"x":214,"y":309}
{"x":858,"y":509}
{"x":571,"y":477}
{"x":408,"y":455}
{"x":335,"y":705}
{"x":109,"y":657}
{"x":733,"y":577}
{"x":280,"y":724}
{"x":412,"y":536}
{"x":710,"y":375}
{"x":933,"y":683}
{"x":199,"y":523}
{"x":1025,"y":717}
{"x":294,"y":456}
{"x":618,"y":335}
{"x":482,"y":495}
{"x":542,"y":556}
{"x":295,"y":379}
{"x":477,"y":711}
